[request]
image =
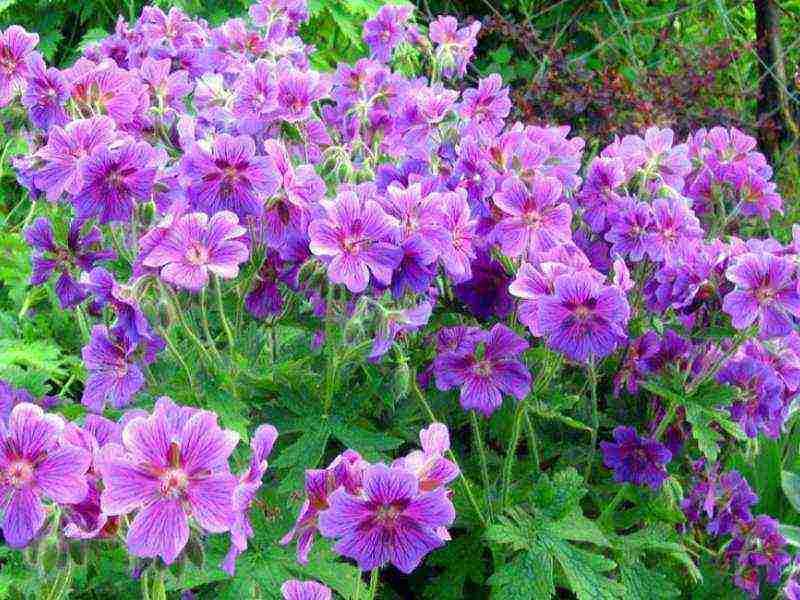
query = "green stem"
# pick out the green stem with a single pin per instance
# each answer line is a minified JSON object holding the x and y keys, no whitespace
{"x":595,"y":419}
{"x":206,"y":326}
{"x":373,"y":583}
{"x":159,"y":589}
{"x":168,"y":293}
{"x":511,"y":453}
{"x":612,"y":506}
{"x":82,"y":325}
{"x":533,"y":442}
{"x":221,"y":307}
{"x":357,"y":587}
{"x":144,"y":582}
{"x":665,"y":421}
{"x":479,"y":446}
{"x":464,"y":481}
{"x":178,"y":356}
{"x":330,"y":352}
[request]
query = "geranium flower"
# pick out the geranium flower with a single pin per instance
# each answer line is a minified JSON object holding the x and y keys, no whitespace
{"x":229,"y":176}
{"x":766,"y":292}
{"x":357,"y":239}
{"x":114,"y":179}
{"x":304,"y":590}
{"x":636,"y":460}
{"x":533,"y":219}
{"x":173,"y":466}
{"x":113,"y":375}
{"x":245,"y":493}
{"x":391,"y":521}
{"x":197,"y":246}
{"x":583,"y":318}
{"x":486,"y":369}
{"x":36,"y":465}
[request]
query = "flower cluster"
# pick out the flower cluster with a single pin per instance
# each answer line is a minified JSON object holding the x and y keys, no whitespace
{"x":174,"y":157}
{"x":380,"y":513}
{"x":168,"y":470}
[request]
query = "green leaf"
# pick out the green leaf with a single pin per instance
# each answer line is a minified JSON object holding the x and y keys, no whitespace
{"x":529,"y":576}
{"x":791,"y":533}
{"x":371,"y":444}
{"x":577,"y":528}
{"x":643,"y":584}
{"x":458,"y":563}
{"x":501,"y":55}
{"x":790,"y":483}
{"x":706,"y":436}
{"x":584,"y":571}
{"x":304,"y":453}
{"x":560,"y":496}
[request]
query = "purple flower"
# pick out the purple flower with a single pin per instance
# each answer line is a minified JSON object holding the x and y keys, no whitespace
{"x":356,"y":238}
{"x":229,"y":177}
{"x":304,"y":590}
{"x":36,"y":465}
{"x":454,"y":46}
{"x":386,"y":30}
{"x":725,"y":500}
{"x":46,"y":94}
{"x":766,"y":292}
{"x":636,"y":460}
{"x":674,"y":225}
{"x":113,"y":376}
{"x":457,"y":220}
{"x":16,"y":45}
{"x":265,"y":298}
{"x":296,"y":92}
{"x":197,"y":246}
{"x":630,"y":227}
{"x":584,"y":319}
{"x":114,"y":179}
{"x":656,"y":152}
{"x":398,"y":322}
{"x":390,"y":521}
{"x":757,"y":195}
{"x":429,"y":465}
{"x":533,"y":282}
{"x":131,"y":322}
{"x":173,"y":466}
{"x":533,"y":220}
{"x":256,"y":97}
{"x":757,"y":544}
{"x":66,"y":151}
{"x":485,"y":369}
{"x":49,"y":257}
{"x":760,"y":406}
{"x":486,"y":292}
{"x":345,"y":471}
{"x":245,"y":493}
{"x":598,"y":196}
{"x":486,"y":107}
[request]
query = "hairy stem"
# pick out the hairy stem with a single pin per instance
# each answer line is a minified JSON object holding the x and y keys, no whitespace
{"x":222,"y":316}
{"x":373,"y":583}
{"x":595,"y":419}
{"x":511,"y":452}
{"x":479,"y":446}
{"x":451,"y":455}
{"x":330,"y":352}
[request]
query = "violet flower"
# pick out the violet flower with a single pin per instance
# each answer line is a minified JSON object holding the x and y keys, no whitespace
{"x":197,"y":246}
{"x":356,"y":239}
{"x":36,"y":465}
{"x":636,"y":460}
{"x":173,"y":466}
{"x":391,"y":521}
{"x":485,"y":370}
